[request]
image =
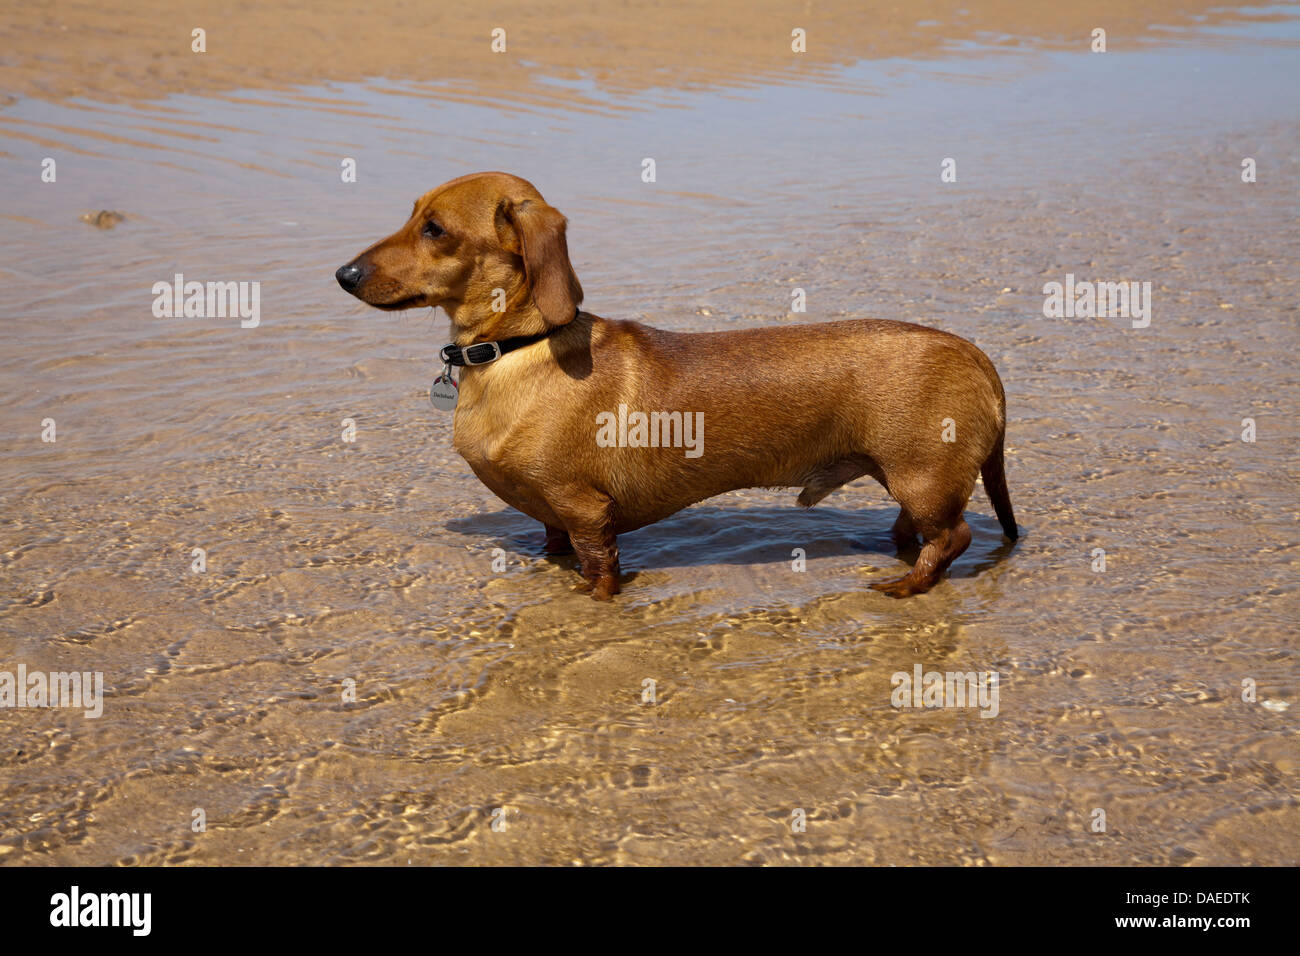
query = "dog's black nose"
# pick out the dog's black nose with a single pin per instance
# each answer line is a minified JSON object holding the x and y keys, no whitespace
{"x":349,"y":276}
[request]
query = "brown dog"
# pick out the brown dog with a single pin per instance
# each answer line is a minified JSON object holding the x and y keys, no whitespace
{"x":546,"y":425}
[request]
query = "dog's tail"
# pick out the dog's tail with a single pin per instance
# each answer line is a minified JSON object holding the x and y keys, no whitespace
{"x":995,"y":485}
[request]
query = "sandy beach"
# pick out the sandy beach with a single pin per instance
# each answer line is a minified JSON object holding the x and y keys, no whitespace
{"x":144,"y":50}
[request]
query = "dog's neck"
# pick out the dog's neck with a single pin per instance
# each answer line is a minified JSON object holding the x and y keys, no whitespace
{"x":471,"y":325}
{"x":468,"y":328}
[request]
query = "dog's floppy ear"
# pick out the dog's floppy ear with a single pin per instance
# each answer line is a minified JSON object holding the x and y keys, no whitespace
{"x":535,"y":231}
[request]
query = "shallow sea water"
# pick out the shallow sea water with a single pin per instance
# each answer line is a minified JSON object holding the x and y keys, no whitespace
{"x":481,"y":690}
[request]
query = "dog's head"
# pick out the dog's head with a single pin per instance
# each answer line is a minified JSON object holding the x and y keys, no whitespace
{"x":487,"y":248}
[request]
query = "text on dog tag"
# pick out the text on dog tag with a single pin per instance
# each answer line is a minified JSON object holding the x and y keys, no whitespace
{"x":443,"y":393}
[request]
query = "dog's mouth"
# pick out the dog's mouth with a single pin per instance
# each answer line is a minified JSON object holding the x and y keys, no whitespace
{"x":410,"y":302}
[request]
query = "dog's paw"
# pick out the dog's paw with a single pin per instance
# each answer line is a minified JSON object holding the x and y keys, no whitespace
{"x":605,"y":589}
{"x":601,"y":589}
{"x":897,"y":588}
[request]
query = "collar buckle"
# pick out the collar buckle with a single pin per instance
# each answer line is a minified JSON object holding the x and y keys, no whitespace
{"x":481,"y":354}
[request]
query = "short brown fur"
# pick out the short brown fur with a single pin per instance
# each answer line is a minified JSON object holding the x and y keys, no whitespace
{"x":811,"y":406}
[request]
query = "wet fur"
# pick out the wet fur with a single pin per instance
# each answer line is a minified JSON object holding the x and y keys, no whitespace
{"x":810,"y":406}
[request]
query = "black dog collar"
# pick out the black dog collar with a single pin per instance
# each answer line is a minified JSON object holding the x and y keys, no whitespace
{"x":483,"y":352}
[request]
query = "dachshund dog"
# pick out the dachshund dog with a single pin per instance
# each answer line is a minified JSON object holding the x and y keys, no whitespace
{"x":596,"y":427}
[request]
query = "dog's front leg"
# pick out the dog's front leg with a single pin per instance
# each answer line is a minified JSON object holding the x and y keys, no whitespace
{"x":589,"y":522}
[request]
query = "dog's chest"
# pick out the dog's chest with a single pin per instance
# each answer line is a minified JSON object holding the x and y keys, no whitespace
{"x":484,"y":446}
{"x":501,"y":424}
{"x":497,"y":453}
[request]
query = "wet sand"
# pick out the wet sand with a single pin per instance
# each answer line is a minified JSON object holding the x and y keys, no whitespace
{"x":144,"y":49}
{"x":480,"y":689}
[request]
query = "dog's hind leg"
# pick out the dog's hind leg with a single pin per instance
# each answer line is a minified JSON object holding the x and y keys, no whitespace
{"x":557,"y":541}
{"x":943,"y":545}
{"x":935,"y":511}
{"x":904,"y":531}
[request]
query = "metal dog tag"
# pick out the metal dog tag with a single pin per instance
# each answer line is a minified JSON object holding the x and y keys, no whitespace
{"x":444,"y":391}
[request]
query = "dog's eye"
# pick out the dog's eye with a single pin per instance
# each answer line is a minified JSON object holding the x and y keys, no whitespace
{"x":432,"y":229}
